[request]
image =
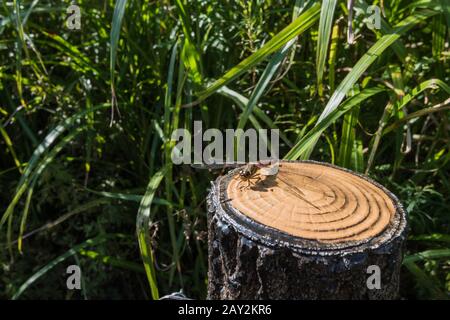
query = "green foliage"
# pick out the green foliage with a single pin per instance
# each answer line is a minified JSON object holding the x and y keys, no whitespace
{"x":68,"y":172}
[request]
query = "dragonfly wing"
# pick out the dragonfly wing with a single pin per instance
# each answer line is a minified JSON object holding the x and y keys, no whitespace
{"x":298,"y":193}
{"x":203,"y":166}
{"x":215,"y":166}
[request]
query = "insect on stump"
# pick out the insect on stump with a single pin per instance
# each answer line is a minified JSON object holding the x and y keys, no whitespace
{"x":310,"y":231}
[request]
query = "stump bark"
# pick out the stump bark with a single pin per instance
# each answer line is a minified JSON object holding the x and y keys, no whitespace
{"x":309,"y":232}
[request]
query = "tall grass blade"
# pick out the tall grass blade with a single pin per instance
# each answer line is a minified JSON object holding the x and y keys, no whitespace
{"x":109,"y":260}
{"x":128,"y":197}
{"x":332,"y":57}
{"x":347,"y":146}
{"x":10,"y":147}
{"x":116,"y":26}
{"x":429,"y":254}
{"x":438,"y":36}
{"x":143,"y":221}
{"x":191,"y":56}
{"x":323,"y":40}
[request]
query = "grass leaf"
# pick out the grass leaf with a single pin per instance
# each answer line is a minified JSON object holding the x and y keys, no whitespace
{"x":323,"y":39}
{"x":116,"y":26}
{"x":143,"y":221}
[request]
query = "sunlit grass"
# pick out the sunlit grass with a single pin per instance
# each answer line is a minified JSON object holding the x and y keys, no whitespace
{"x":378,"y":106}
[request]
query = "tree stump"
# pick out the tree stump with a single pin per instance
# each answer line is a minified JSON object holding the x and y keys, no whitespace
{"x":309,"y":232}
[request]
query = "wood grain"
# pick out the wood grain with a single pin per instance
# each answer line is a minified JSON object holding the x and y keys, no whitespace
{"x":314,"y":201}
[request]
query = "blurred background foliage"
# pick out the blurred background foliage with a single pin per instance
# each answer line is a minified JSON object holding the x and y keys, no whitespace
{"x":86,"y":117}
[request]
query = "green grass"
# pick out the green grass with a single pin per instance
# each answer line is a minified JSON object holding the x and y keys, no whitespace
{"x":378,"y":106}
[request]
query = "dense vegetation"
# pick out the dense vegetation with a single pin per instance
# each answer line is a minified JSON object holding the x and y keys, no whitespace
{"x":86,"y":117}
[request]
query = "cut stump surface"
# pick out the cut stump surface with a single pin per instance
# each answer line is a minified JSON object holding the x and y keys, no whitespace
{"x":316,"y":202}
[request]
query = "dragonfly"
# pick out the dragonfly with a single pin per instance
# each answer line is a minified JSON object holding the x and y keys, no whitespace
{"x":253,"y":172}
{"x":250,"y":172}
